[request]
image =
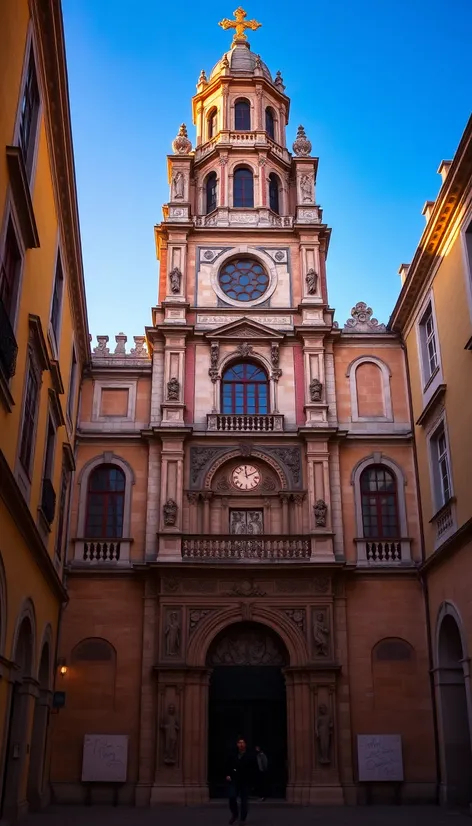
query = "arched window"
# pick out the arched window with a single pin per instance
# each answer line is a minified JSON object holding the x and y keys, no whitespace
{"x":242,"y":115}
{"x":243,"y":188}
{"x":212,"y":123}
{"x":274,"y":193}
{"x":105,"y":502}
{"x":270,"y":123}
{"x":211,"y":202}
{"x":379,"y":503}
{"x":245,"y":389}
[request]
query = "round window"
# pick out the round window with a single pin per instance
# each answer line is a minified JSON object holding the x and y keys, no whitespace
{"x":243,"y":279}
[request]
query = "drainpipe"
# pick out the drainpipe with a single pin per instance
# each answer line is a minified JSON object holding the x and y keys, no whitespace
{"x":424,"y":586}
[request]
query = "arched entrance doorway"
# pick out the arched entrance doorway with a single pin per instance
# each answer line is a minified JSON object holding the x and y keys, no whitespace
{"x":39,"y":734}
{"x":247,"y":698}
{"x":454,"y":713}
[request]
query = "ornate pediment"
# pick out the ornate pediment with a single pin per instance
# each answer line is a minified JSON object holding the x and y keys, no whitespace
{"x":245,"y":329}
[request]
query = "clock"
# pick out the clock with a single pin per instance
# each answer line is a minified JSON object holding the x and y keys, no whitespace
{"x":246,"y":477}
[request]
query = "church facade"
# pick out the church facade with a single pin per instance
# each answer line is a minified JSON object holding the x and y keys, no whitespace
{"x":244,"y":535}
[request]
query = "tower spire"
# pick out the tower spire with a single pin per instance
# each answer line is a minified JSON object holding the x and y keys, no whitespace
{"x":240,"y":24}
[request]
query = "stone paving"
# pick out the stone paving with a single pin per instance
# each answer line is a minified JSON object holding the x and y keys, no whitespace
{"x":260,"y":814}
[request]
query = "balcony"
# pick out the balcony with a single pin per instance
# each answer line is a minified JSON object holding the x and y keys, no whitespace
{"x":234,"y":548}
{"x":238,"y":138}
{"x":48,"y":501}
{"x":8,"y":345}
{"x":109,"y":551}
{"x":444,"y":522}
{"x":245,"y":423}
{"x":381,"y":552}
{"x":248,"y":218}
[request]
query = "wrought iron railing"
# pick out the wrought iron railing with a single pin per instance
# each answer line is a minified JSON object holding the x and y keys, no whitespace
{"x":8,"y":345}
{"x":245,"y":423}
{"x":48,"y":500}
{"x":246,"y":547}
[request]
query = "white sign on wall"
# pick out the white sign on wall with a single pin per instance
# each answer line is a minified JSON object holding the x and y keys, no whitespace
{"x":380,"y":757}
{"x":105,"y":758}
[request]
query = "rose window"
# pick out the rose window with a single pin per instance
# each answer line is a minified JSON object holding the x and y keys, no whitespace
{"x":243,"y":279}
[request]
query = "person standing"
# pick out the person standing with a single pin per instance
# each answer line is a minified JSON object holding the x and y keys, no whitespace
{"x":239,"y":769}
{"x":262,"y":766}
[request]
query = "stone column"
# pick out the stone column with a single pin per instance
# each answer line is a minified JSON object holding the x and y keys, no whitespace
{"x":38,"y":749}
{"x":147,"y":735}
{"x":284,"y":497}
{"x":195,"y":736}
{"x":207,"y":496}
{"x":153,"y":500}
{"x":172,"y":470}
{"x":300,"y":752}
{"x":344,"y":734}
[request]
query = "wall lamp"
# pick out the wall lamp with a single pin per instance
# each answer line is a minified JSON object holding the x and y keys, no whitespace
{"x":62,"y":666}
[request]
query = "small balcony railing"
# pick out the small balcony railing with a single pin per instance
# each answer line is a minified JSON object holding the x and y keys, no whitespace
{"x":8,"y":345}
{"x":231,"y":548}
{"x":383,"y":551}
{"x":245,"y":423}
{"x":100,"y":551}
{"x":48,"y":501}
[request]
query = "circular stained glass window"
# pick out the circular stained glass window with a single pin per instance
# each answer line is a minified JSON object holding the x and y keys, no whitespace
{"x":243,"y":279}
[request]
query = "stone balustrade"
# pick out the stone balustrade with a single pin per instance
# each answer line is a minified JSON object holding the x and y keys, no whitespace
{"x":236,"y":216}
{"x":245,"y":423}
{"x":101,"y":551}
{"x":231,"y":548}
{"x":252,"y":138}
{"x":102,"y":351}
{"x":379,"y":552}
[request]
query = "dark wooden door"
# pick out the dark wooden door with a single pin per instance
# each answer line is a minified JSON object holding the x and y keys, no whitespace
{"x":249,"y":702}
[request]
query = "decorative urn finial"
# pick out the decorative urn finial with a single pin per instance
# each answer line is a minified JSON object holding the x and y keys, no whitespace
{"x":301,"y":144}
{"x":181,"y":144}
{"x":279,"y":82}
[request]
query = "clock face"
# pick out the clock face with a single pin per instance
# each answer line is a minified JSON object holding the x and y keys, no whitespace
{"x":246,"y":477}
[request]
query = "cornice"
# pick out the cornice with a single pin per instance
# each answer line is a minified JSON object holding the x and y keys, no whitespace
{"x":448,"y":203}
{"x":48,"y":25}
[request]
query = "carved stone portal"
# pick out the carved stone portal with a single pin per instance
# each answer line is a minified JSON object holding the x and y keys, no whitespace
{"x":247,"y":646}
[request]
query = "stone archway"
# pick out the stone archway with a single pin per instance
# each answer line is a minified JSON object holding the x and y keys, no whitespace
{"x":451,"y":676}
{"x":247,"y":698}
{"x":22,"y":691}
{"x":35,"y":788}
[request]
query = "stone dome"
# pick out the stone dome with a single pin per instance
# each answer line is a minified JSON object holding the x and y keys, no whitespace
{"x":241,"y":61}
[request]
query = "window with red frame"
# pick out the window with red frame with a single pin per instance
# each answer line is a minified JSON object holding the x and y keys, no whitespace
{"x":379,"y":503}
{"x":245,"y":389}
{"x":243,"y":188}
{"x":105,"y":503}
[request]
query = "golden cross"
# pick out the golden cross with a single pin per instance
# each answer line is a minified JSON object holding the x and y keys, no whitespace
{"x":239,"y":24}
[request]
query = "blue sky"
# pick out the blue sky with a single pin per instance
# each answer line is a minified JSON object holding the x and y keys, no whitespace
{"x":382,"y":88}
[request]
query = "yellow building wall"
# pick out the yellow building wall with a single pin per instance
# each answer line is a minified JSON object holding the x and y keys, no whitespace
{"x":453,"y":320}
{"x":23,"y":577}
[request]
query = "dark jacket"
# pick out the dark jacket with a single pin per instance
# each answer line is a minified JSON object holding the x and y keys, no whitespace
{"x":240,"y":767}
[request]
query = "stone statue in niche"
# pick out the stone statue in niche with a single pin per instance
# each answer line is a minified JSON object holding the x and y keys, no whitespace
{"x":306,"y":188}
{"x":170,"y":726}
{"x":316,"y":390}
{"x":311,"y":279}
{"x":178,"y":183}
{"x":170,"y":512}
{"x":323,"y":732}
{"x":274,"y":354}
{"x":321,"y":635}
{"x":172,"y":635}
{"x":173,"y":389}
{"x":175,"y":278}
{"x":320,"y":509}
